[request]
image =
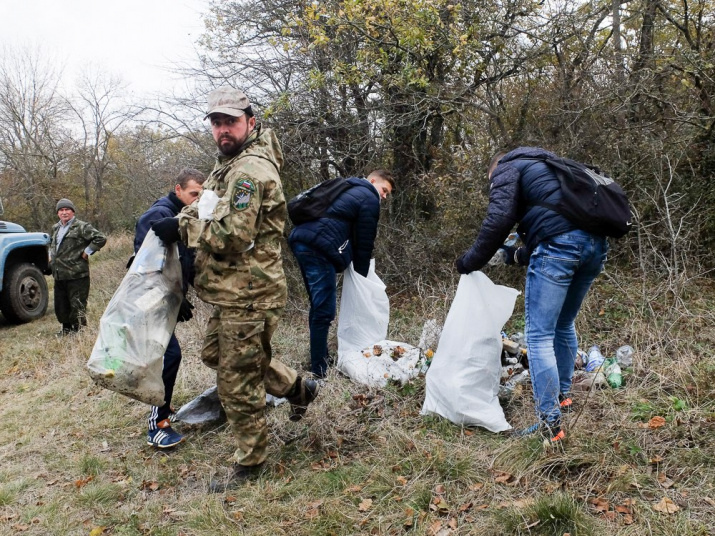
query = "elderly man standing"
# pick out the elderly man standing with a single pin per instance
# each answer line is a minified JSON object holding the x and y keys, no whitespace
{"x":73,"y":241}
{"x":239,"y":270}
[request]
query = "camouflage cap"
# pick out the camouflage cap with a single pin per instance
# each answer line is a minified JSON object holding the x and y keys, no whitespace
{"x":65,"y":203}
{"x":229,"y":101}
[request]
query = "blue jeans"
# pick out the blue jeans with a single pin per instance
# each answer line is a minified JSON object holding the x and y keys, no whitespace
{"x":319,"y":277}
{"x":561,"y":270}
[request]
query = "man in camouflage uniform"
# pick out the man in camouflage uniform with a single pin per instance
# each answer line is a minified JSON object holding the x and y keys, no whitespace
{"x":73,"y":241}
{"x":239,"y":270}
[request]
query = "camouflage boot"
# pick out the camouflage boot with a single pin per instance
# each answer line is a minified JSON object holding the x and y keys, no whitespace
{"x":239,"y":475}
{"x":303,"y":393}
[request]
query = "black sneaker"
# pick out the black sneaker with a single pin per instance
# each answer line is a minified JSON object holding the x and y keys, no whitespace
{"x":304,"y":392}
{"x":240,"y":474}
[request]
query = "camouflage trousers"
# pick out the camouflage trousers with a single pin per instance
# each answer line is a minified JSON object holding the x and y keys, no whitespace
{"x":71,"y":302}
{"x":238,"y":346}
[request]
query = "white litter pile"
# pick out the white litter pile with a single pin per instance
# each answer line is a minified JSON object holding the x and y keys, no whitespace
{"x":364,"y":354}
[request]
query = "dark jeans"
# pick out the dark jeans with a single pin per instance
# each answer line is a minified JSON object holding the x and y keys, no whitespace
{"x":319,"y":277}
{"x":71,"y":302}
{"x":172,"y":360}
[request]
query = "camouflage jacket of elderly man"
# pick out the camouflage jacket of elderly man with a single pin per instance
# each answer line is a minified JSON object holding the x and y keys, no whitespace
{"x":66,"y":259}
{"x":238,"y":251}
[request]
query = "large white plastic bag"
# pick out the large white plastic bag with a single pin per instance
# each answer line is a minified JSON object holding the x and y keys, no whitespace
{"x":364,"y":310}
{"x":463,"y":379}
{"x":137,"y":324}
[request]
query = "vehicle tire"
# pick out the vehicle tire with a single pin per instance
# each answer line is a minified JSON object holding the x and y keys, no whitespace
{"x":24,"y":295}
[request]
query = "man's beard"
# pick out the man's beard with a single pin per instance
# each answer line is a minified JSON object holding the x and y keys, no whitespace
{"x":230,"y":149}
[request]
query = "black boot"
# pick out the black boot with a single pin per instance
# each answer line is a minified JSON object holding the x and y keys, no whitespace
{"x":240,"y":474}
{"x":303,"y":393}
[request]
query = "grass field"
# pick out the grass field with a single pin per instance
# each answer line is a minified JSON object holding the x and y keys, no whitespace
{"x":74,"y":460}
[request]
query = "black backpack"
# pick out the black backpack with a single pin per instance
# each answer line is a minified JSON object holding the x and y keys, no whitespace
{"x":312,"y":203}
{"x":590,"y":199}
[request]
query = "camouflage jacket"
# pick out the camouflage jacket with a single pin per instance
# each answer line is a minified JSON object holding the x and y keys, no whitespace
{"x":238,"y":252}
{"x":67,"y":261}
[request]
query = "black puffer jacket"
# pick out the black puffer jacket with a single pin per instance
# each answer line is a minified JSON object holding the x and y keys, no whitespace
{"x":166,"y":207}
{"x":518,"y":182}
{"x":347,"y":232}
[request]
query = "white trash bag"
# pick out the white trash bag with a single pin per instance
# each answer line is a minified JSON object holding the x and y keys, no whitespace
{"x":136,"y":326}
{"x":364,"y":355}
{"x":462,"y":383}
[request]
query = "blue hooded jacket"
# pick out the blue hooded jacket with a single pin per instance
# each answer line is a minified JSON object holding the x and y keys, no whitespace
{"x":347,"y":231}
{"x":166,"y":207}
{"x":518,"y":182}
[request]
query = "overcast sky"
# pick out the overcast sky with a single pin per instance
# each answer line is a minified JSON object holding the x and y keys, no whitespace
{"x":135,"y":39}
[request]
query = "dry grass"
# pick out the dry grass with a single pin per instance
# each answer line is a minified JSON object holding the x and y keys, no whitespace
{"x":73,"y":457}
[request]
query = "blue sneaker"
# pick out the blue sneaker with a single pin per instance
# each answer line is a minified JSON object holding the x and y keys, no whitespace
{"x":163,"y":437}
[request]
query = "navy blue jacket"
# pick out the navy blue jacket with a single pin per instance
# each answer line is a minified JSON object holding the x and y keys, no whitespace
{"x":517,"y":183}
{"x":166,"y":207}
{"x":348,"y":230}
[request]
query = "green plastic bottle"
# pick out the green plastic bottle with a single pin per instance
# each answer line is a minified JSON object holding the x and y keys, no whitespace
{"x":613,"y":372}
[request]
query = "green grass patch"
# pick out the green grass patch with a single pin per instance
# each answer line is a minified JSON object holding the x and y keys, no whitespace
{"x":549,"y":515}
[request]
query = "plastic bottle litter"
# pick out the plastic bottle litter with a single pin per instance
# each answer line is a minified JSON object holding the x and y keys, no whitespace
{"x":519,"y":338}
{"x":500,"y":256}
{"x":581,"y":359}
{"x":511,"y":239}
{"x":624,"y":356}
{"x":506,"y":391}
{"x":595,"y":359}
{"x":612,"y":371}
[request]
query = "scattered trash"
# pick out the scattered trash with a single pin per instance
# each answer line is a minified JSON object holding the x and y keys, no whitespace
{"x":380,"y":363}
{"x":624,"y":356}
{"x":500,"y":256}
{"x":514,"y":382}
{"x":582,"y":381}
{"x":613,"y":372}
{"x":581,"y":359}
{"x":363,"y":353}
{"x":207,"y":407}
{"x":595,"y":359}
{"x":204,"y":408}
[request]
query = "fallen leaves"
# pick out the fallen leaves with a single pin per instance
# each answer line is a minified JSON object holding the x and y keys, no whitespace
{"x":666,"y":506}
{"x":149,"y":485}
{"x":365,"y":505}
{"x":502,"y":477}
{"x":656,"y":422}
{"x":83,"y":482}
{"x":603,"y":507}
{"x":313,"y":509}
{"x":440,"y":506}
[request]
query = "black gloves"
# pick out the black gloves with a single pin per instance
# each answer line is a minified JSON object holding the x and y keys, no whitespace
{"x":509,"y":251}
{"x":167,"y":229}
{"x":185,"y":311}
{"x":459,"y":264}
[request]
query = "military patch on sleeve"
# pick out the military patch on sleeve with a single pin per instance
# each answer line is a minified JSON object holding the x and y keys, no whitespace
{"x":242,"y":194}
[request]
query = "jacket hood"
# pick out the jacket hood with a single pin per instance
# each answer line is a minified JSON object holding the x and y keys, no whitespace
{"x":262,"y":143}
